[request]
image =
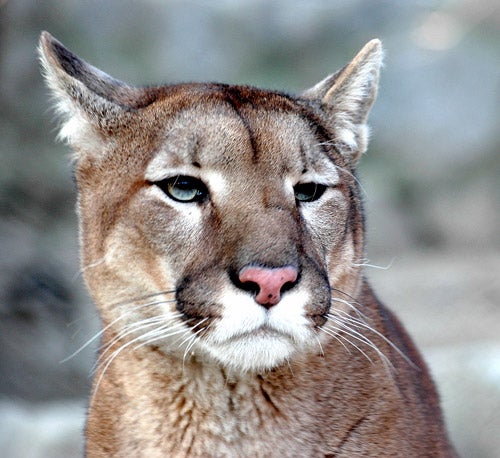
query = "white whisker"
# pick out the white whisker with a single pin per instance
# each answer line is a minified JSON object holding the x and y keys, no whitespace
{"x":135,"y":328}
{"x":336,"y":337}
{"x":195,"y":333}
{"x":191,"y":341}
{"x":143,"y":337}
{"x":366,"y":263}
{"x":103,"y":330}
{"x":322,"y":353}
{"x":161,"y":335}
{"x":363,"y":324}
{"x":342,"y":326}
{"x":144,"y":297}
{"x":360,"y":314}
{"x":107,"y":362}
{"x":88,"y":266}
{"x":335,"y":332}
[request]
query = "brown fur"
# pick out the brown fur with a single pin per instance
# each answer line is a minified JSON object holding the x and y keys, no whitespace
{"x":190,"y":364}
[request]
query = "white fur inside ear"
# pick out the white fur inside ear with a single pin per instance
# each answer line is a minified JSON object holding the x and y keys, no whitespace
{"x":81,"y":135}
{"x":348,"y":95}
{"x":353,"y":139}
{"x":363,"y":137}
{"x":75,"y":128}
{"x":77,"y":131}
{"x":348,"y":138}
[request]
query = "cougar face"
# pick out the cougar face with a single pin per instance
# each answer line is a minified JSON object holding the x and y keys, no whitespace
{"x":218,"y":222}
{"x":242,"y":212}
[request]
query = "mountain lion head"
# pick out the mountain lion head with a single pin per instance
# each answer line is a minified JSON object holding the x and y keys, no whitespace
{"x":219,"y":223}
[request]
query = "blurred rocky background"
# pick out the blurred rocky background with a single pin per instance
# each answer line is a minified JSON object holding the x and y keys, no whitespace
{"x":431,"y":178}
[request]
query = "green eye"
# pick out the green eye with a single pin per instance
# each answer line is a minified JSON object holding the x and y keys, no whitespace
{"x":184,"y":188}
{"x":308,"y":192}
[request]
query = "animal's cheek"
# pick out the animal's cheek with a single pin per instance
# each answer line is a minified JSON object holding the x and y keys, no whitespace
{"x":174,"y":231}
{"x":325,"y":228}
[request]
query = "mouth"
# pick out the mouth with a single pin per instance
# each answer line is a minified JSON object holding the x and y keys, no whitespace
{"x":259,"y":350}
{"x":264,"y":327}
{"x":264,"y":332}
{"x":258,"y":343}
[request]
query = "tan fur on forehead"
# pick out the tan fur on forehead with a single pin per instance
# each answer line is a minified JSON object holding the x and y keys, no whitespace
{"x":192,"y":136}
{"x":93,"y":105}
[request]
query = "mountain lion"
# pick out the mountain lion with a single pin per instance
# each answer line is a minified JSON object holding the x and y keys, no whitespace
{"x":222,"y":239}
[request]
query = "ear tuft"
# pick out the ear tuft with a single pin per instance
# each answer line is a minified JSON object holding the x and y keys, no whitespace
{"x":347,"y":97}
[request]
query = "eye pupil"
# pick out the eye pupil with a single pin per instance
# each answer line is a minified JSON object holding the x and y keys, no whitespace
{"x":309,"y":192}
{"x":184,"y":188}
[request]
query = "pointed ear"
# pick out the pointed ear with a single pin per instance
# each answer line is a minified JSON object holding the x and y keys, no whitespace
{"x":90,"y":102}
{"x":347,"y":96}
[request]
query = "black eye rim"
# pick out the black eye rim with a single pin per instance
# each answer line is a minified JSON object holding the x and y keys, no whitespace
{"x":313,"y":190}
{"x":187,"y":182}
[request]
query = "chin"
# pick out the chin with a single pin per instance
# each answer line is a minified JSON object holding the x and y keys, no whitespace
{"x":261,"y":352}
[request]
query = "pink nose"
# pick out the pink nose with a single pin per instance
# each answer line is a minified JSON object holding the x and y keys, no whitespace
{"x":269,"y":282}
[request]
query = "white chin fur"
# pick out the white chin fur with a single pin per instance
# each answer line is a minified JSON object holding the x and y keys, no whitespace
{"x":248,"y":338}
{"x":252,"y":353}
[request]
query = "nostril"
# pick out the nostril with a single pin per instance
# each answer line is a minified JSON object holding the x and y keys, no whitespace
{"x":267,"y":283}
{"x":288,"y":286}
{"x":249,"y":286}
